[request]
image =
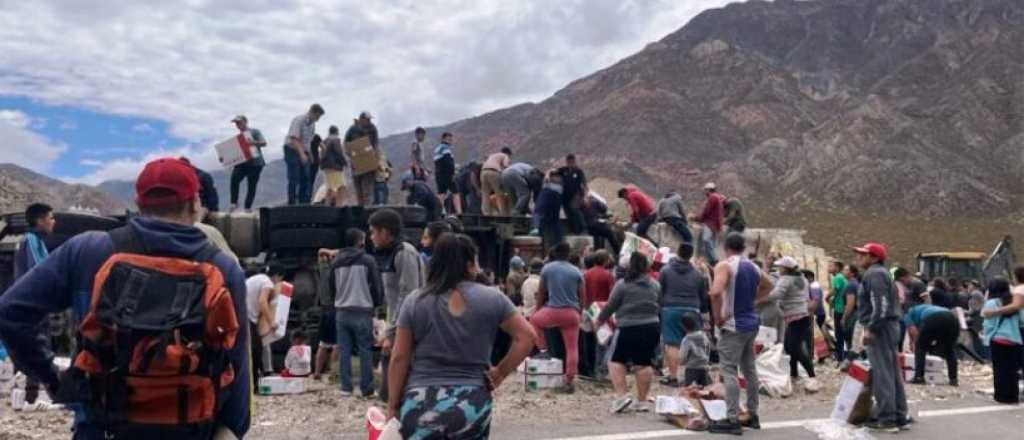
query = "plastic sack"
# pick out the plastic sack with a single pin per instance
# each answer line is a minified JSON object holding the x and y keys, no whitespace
{"x":773,"y":372}
{"x":836,"y":430}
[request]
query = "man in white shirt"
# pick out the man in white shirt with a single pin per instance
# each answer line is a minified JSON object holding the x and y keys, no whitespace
{"x":297,"y":155}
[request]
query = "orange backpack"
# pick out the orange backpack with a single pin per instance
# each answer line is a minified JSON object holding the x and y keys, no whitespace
{"x":153,"y":346}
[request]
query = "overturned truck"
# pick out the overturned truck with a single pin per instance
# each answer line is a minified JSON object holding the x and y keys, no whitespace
{"x":291,"y":236}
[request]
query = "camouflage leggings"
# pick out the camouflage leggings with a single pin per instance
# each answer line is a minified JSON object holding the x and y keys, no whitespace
{"x":446,"y":413}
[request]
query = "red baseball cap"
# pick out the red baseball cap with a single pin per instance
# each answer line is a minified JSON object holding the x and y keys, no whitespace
{"x":874,"y":249}
{"x":175,"y":176}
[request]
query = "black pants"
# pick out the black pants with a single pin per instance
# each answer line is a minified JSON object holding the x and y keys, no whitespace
{"x":644,"y":224}
{"x":574,"y":214}
{"x":942,"y":331}
{"x":795,"y":344}
{"x":1006,"y":362}
{"x":601,"y":232}
{"x":681,"y":227}
{"x":251,"y":174}
{"x":551,"y":233}
{"x":257,"y":354}
{"x":840,"y":333}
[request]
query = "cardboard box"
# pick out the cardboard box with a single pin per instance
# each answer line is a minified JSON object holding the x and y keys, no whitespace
{"x":853,"y":403}
{"x":675,"y":405}
{"x":280,"y":307}
{"x":930,"y":377}
{"x":282,"y":385}
{"x":542,"y":366}
{"x":235,"y":150}
{"x":537,"y":382}
{"x":767,"y":336}
{"x":364,"y":158}
{"x":932,"y":363}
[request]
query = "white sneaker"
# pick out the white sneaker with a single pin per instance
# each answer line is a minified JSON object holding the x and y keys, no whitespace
{"x":811,"y":386}
{"x":642,"y":407}
{"x":346,"y":394}
{"x":621,"y":405}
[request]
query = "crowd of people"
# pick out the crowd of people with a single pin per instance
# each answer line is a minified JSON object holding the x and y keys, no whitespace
{"x":447,"y":336}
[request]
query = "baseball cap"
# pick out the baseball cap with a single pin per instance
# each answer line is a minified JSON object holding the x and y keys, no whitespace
{"x":787,"y":262}
{"x":366,"y":114}
{"x":239,"y":118}
{"x":517,"y":262}
{"x":876,"y":250}
{"x":175,"y":176}
{"x":709,"y":185}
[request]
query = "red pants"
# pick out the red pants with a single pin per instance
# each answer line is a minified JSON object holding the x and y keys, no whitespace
{"x":568,"y":322}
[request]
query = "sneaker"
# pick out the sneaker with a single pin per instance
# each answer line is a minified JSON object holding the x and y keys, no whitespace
{"x":620,"y":405}
{"x":878,"y":426}
{"x":543,"y":355}
{"x":346,"y":393}
{"x":753,"y":423}
{"x":725,"y":427}
{"x":917,"y":381}
{"x":568,"y":388}
{"x":670,"y":382}
{"x":954,"y":383}
{"x":904,"y":424}
{"x":811,"y":386}
{"x":368,"y":394}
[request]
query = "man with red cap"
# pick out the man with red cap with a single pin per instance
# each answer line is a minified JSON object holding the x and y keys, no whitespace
{"x":878,"y":310}
{"x":167,"y":198}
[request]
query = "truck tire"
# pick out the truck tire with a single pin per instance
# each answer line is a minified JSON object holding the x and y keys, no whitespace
{"x":412,"y":215}
{"x":304,"y":292}
{"x":300,"y":238}
{"x":309,"y":215}
{"x":71,"y":224}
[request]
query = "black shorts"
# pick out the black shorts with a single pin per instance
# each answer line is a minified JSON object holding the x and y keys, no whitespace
{"x":328,"y":331}
{"x":636,"y":345}
{"x":444,"y":174}
{"x":697,"y":376}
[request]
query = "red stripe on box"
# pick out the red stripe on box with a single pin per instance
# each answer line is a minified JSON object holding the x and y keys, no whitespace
{"x":246,"y":148}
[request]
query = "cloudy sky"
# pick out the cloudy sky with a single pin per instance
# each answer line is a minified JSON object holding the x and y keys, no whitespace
{"x":89,"y":90}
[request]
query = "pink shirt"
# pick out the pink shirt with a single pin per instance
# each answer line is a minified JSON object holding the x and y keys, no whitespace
{"x":497,"y":162}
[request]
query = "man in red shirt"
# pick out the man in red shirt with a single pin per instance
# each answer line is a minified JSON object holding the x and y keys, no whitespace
{"x":598,"y":281}
{"x":641,"y":207}
{"x":711,"y":219}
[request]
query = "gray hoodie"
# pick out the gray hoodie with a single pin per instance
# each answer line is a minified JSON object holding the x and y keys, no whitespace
{"x":792,"y":294}
{"x":356,"y":281}
{"x":682,"y":285}
{"x":402,"y":271}
{"x":882,"y":305}
{"x":634,"y":303}
{"x":671,"y":206}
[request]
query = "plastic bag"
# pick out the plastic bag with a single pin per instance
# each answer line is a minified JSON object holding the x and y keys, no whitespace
{"x":773,"y":372}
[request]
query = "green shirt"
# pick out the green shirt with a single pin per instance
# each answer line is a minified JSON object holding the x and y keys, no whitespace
{"x":838,"y":293}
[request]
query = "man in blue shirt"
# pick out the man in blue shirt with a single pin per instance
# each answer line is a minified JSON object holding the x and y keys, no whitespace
{"x":167,"y":196}
{"x":31,"y":253}
{"x":929,"y":326}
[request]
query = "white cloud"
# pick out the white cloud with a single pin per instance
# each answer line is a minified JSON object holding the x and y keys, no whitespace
{"x":143,"y":128}
{"x":24,"y":147}
{"x":410,"y":62}
{"x":15,"y":118}
{"x":68,"y":124}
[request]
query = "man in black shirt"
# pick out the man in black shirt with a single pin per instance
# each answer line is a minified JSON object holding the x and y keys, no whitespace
{"x":574,"y":187}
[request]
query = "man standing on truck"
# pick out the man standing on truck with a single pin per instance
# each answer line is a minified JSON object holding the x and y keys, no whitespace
{"x":574,"y":185}
{"x":166,"y":194}
{"x":712,"y":217}
{"x":878,"y":310}
{"x":251,"y":169}
{"x":298,"y":155}
{"x":401,"y":271}
{"x":31,"y":252}
{"x":364,"y":183}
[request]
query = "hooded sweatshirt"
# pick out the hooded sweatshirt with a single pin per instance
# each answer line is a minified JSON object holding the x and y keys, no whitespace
{"x":791,"y":293}
{"x":682,"y":285}
{"x":634,"y":303}
{"x":356,"y":281}
{"x":671,"y":206}
{"x":402,"y":272}
{"x":65,"y":280}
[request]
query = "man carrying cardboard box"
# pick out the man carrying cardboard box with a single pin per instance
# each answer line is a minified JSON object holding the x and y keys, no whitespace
{"x":364,"y":178}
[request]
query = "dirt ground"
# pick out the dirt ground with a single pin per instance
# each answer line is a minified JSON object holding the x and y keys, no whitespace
{"x":323,"y":413}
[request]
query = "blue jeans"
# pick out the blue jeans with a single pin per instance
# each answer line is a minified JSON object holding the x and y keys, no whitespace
{"x":299,"y":185}
{"x":708,"y":243}
{"x":355,"y":332}
{"x":380,"y":193}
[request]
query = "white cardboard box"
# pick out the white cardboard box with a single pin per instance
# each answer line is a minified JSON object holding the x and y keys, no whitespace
{"x":850,"y":392}
{"x":932,"y":363}
{"x":282,"y":385}
{"x":536,"y":382}
{"x":235,"y":150}
{"x":930,"y":377}
{"x":542,"y":366}
{"x":767,"y":336}
{"x":281,"y":305}
{"x":674,"y":405}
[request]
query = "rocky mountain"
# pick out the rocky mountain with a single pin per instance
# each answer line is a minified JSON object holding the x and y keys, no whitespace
{"x":19,"y":187}
{"x":810,"y":111}
{"x":271,"y":191}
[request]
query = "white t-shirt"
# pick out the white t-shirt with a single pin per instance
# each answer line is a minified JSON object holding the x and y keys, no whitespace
{"x":298,"y":360}
{"x":253,"y":286}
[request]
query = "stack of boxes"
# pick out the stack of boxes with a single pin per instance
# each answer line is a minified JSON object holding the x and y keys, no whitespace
{"x":934,"y":368}
{"x":541,"y":374}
